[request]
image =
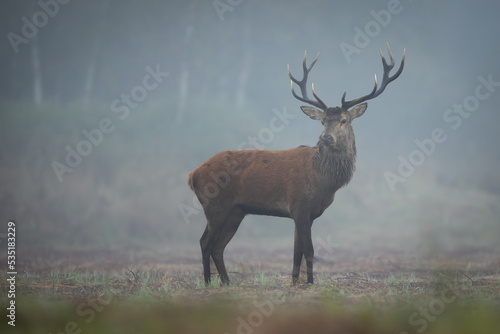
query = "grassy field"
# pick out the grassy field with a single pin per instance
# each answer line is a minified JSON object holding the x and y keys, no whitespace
{"x":360,"y":291}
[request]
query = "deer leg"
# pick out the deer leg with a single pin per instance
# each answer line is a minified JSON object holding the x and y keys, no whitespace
{"x":205,"y":254}
{"x":309,"y":255}
{"x":297,"y":258}
{"x":227,"y":233}
{"x":206,"y":242}
{"x":303,"y":236}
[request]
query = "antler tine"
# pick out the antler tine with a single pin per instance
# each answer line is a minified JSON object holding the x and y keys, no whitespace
{"x":351,"y":103}
{"x":304,"y":66}
{"x":384,"y":63}
{"x":323,"y":104}
{"x":387,"y":68}
{"x":386,"y":79}
{"x":302,"y":84}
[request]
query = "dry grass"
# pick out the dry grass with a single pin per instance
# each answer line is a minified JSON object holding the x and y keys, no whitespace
{"x":359,"y":292}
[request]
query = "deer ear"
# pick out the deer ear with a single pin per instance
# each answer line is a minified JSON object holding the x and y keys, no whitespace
{"x":358,"y":110}
{"x":312,"y":112}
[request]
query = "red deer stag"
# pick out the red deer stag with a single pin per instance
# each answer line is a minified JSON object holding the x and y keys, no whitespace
{"x":298,"y":183}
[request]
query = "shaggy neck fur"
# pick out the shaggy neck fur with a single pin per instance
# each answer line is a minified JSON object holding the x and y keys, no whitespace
{"x":335,"y":165}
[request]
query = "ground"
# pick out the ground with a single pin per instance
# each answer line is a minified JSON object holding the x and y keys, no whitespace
{"x":357,"y":291}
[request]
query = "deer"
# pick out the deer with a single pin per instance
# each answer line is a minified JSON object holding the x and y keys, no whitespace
{"x":298,"y":183}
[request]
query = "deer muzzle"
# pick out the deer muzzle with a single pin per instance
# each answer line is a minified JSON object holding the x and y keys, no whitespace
{"x":327,"y":139}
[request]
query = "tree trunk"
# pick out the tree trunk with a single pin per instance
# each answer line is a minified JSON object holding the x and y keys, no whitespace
{"x":37,"y":74}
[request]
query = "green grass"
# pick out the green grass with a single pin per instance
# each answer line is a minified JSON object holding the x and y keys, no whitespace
{"x":145,"y":296}
{"x":145,"y":313}
{"x":151,"y":301}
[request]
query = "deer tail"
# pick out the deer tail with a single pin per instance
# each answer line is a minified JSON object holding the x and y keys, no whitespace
{"x":191,"y":181}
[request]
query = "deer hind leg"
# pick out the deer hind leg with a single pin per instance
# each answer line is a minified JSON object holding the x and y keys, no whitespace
{"x":230,"y":227}
{"x":207,"y":242}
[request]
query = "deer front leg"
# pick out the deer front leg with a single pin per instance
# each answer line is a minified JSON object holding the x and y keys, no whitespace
{"x":297,"y":258}
{"x":309,"y":255}
{"x":303,"y":246}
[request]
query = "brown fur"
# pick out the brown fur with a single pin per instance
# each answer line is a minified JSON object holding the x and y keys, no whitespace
{"x":298,"y":183}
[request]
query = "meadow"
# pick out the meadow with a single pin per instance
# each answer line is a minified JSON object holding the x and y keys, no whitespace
{"x":375,"y":290}
{"x":106,"y":108}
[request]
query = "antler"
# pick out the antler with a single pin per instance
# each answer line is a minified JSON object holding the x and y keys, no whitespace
{"x":302,"y":84}
{"x":385,"y":81}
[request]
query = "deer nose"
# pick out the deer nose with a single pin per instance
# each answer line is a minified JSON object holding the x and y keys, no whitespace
{"x":326,"y":138}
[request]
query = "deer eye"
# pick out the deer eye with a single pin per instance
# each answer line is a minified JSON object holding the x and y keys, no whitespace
{"x":344,"y":121}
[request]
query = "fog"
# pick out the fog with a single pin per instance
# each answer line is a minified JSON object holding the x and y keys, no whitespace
{"x":106,"y":106}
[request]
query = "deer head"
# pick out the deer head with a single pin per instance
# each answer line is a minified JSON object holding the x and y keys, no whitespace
{"x":337,"y":131}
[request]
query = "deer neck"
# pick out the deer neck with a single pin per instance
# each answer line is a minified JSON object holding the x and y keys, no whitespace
{"x":335,"y":167}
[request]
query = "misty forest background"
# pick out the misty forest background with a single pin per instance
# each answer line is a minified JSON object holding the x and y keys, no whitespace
{"x":227,"y":77}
